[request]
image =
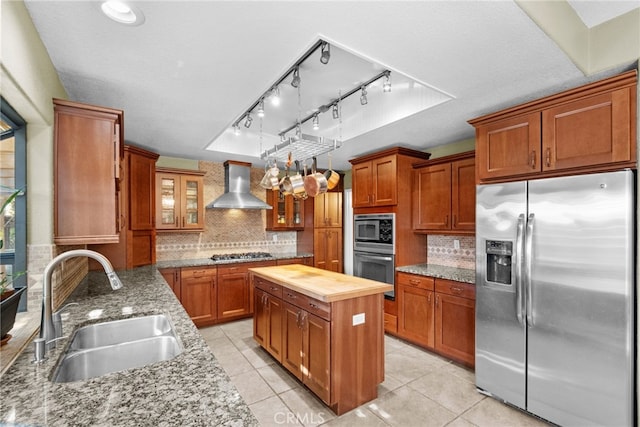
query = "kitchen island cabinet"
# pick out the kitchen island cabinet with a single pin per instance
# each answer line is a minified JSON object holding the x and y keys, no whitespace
{"x":331,"y":331}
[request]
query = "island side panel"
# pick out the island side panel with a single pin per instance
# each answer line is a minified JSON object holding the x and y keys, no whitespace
{"x":357,"y":351}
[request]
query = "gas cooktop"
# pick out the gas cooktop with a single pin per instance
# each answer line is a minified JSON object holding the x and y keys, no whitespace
{"x":244,"y":255}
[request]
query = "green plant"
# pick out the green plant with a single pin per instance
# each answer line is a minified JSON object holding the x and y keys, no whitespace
{"x":6,"y":203}
{"x":6,"y":281}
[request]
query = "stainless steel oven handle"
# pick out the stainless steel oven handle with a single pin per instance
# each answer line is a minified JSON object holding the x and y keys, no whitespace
{"x":375,"y":257}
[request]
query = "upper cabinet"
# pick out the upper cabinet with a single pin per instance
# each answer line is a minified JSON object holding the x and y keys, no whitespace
{"x":179,"y":198}
{"x":87,"y":155}
{"x":375,"y":177}
{"x":287,"y":213}
{"x":590,"y":128}
{"x":444,"y":194}
{"x":327,"y":210}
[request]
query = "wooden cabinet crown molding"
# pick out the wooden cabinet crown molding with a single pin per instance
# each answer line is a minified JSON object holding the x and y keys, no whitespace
{"x":181,"y":171}
{"x":619,"y":81}
{"x":445,"y":159}
{"x":391,"y":151}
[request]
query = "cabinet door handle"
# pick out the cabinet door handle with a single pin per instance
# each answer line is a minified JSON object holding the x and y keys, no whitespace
{"x":547,"y":157}
{"x":176,"y":222}
{"x":298,"y":319}
{"x":453,"y":220}
{"x":183,"y":221}
{"x":429,"y":298}
{"x":532,"y":159}
{"x":446,"y":220}
{"x":437,"y":301}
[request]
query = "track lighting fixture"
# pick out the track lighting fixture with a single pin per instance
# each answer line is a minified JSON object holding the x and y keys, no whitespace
{"x":295,"y":82}
{"x":316,"y":124}
{"x":335,"y":112}
{"x":261,"y":108}
{"x":325,"y":53}
{"x":236,"y":129}
{"x":275,"y":96}
{"x":363,"y":97}
{"x":386,"y":86}
{"x":248,"y":120}
{"x":282,"y":137}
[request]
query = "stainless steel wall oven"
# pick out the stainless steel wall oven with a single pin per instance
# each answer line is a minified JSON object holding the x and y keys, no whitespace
{"x":374,"y":248}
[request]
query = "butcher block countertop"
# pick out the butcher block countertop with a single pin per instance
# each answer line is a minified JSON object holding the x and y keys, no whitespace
{"x":322,"y":285}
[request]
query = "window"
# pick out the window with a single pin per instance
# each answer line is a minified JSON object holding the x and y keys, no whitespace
{"x":13,"y":174}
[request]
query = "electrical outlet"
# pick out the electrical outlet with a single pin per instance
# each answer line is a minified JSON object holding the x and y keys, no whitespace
{"x":357,"y":319}
{"x":456,"y":244}
{"x":275,"y":237}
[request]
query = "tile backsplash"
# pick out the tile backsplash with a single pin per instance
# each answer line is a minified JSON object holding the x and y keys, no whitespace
{"x":441,"y":250}
{"x":226,"y":230}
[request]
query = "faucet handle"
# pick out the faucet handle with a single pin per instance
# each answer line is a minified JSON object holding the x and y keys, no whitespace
{"x":57,"y":319}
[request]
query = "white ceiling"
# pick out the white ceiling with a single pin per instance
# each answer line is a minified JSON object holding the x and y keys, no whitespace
{"x":194,"y":67}
{"x":594,"y":13}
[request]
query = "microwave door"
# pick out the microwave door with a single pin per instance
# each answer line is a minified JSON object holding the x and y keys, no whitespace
{"x":367,"y":230}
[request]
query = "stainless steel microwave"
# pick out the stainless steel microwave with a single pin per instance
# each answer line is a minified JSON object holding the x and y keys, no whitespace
{"x":374,"y":233}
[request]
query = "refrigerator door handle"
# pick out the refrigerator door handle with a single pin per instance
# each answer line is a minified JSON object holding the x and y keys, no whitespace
{"x":528,"y":258}
{"x":519,"y":261}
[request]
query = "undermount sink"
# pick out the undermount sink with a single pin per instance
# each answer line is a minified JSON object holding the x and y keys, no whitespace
{"x":117,"y":345}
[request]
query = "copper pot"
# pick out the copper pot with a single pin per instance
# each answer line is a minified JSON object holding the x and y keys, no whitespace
{"x":315,"y":183}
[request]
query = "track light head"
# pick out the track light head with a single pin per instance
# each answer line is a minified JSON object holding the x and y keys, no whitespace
{"x":248,"y":120}
{"x":335,"y":112}
{"x":261,"y":108}
{"x":236,"y":129}
{"x":363,"y":97}
{"x":295,"y":82}
{"x":275,"y":96}
{"x":386,"y":86}
{"x":326,"y":53}
{"x":316,"y":124}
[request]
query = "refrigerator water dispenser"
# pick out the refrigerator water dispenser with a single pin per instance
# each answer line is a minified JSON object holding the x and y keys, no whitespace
{"x":499,"y":255}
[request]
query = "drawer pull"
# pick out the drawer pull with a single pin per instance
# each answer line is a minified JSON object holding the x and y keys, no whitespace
{"x":456,"y":290}
{"x":314,"y":305}
{"x":273,"y":288}
{"x":292,"y":296}
{"x":414,"y":281}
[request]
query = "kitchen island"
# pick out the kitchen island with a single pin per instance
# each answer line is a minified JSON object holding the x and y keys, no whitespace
{"x":190,"y":389}
{"x":326,"y":328}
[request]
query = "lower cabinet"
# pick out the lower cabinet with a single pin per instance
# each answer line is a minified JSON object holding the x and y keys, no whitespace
{"x":213,"y":294}
{"x":198,"y":294}
{"x":317,"y":341}
{"x":437,"y":314}
{"x":327,"y":249}
{"x":304,"y":261}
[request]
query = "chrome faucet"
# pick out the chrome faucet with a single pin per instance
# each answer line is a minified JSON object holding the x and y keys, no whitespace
{"x":48,"y":332}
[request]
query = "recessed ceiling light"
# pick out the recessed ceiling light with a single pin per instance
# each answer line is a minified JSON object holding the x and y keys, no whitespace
{"x":122,"y":12}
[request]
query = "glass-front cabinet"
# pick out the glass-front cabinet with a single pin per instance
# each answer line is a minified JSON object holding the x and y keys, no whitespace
{"x":287,"y":212}
{"x":180,"y":200}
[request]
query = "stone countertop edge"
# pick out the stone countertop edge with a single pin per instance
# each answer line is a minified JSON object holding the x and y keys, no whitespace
{"x":190,"y":389}
{"x":201,"y":262}
{"x":465,"y":275}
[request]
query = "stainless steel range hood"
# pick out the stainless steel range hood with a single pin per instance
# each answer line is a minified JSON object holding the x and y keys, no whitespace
{"x":236,"y":189}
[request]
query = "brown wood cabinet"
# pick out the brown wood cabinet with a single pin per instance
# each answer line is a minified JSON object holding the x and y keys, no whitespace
{"x":444,"y":191}
{"x":179,"y":195}
{"x":137,"y":237}
{"x":589,"y":128}
{"x":287,"y":213}
{"x":375,"y":177}
{"x":172,"y":276}
{"x":198,"y":294}
{"x":87,"y":156}
{"x":437,"y":314}
{"x":327,"y":248}
{"x":341,"y":362}
{"x":416,"y":299}
{"x":269,"y":317}
{"x":455,"y":320}
{"x":234,"y":290}
{"x":327,"y":211}
{"x":304,"y":261}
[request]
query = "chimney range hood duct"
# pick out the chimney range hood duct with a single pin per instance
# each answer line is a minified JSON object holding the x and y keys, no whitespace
{"x":236,"y":189}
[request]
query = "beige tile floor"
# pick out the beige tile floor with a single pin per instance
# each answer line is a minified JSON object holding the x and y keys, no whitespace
{"x":420,"y":388}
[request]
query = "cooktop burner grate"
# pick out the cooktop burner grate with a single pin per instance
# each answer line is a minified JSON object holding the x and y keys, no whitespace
{"x":243,"y":255}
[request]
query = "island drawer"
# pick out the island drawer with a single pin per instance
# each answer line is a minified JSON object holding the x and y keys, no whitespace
{"x":422,"y":282}
{"x":459,"y":289}
{"x":312,"y":305}
{"x":267,"y":286}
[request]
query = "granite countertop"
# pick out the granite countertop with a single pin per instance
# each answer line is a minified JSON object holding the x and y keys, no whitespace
{"x":199,"y":262}
{"x":465,"y":275}
{"x":191,"y":389}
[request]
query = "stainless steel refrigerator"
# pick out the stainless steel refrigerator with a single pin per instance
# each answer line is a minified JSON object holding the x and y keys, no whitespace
{"x":555,"y":297}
